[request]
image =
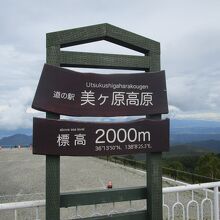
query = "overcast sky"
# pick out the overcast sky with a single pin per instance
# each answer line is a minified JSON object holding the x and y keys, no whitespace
{"x":189,"y":33}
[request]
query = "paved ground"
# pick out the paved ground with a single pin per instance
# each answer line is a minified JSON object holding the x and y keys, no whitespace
{"x":23,"y":173}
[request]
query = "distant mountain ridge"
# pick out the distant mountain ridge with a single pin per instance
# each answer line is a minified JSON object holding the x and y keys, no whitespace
{"x":195,"y":133}
{"x":209,"y":145}
{"x":7,"y":133}
{"x":182,"y":138}
{"x":17,"y":139}
{"x":181,"y":123}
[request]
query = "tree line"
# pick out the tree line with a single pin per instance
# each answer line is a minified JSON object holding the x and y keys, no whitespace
{"x":206,"y":165}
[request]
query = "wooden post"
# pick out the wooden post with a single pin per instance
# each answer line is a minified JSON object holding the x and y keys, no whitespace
{"x":153,"y":164}
{"x":154,"y":182}
{"x":52,"y":187}
{"x":53,"y":162}
{"x":154,"y":186}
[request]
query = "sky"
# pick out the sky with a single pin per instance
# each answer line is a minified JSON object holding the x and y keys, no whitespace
{"x":188,"y":31}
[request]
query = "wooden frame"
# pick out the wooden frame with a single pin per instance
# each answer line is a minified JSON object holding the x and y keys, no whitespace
{"x":149,"y":62}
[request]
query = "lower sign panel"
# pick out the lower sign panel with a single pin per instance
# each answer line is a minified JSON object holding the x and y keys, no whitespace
{"x":73,"y":138}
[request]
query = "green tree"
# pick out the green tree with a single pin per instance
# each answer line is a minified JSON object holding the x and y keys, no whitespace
{"x":176,"y":165}
{"x":209,"y":165}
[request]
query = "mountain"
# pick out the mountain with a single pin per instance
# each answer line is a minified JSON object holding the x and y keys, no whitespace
{"x":17,"y":139}
{"x":6,"y":133}
{"x":209,"y":145}
{"x":182,"y":138}
{"x":195,"y":133}
{"x":186,"y":150}
{"x":194,"y":127}
{"x":182,"y":123}
{"x":190,"y":131}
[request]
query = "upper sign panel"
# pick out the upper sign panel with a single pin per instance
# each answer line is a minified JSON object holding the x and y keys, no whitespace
{"x":67,"y":92}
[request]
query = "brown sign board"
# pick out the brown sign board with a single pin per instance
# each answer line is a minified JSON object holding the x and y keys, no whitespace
{"x":74,"y":138}
{"x":66,"y":92}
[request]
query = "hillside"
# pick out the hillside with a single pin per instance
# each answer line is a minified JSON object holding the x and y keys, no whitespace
{"x":181,"y":138}
{"x":17,"y":139}
{"x":195,"y":134}
{"x":209,"y":145}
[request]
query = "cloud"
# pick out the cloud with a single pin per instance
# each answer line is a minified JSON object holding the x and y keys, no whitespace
{"x":18,"y":68}
{"x":15,"y":111}
{"x":177,"y":113}
{"x":188,"y":31}
{"x":210,"y":116}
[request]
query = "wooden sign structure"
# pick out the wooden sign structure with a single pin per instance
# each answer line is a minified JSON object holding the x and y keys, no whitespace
{"x":62,"y":91}
{"x":67,"y":92}
{"x":72,"y":138}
